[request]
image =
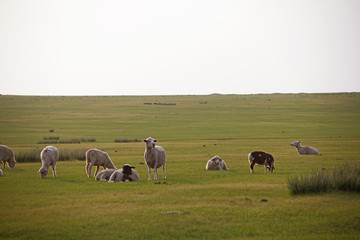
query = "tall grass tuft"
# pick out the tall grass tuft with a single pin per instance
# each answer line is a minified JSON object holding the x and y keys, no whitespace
{"x":33,"y":155}
{"x":343,"y":178}
{"x":347,"y":178}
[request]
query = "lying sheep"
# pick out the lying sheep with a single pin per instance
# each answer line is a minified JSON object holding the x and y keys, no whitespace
{"x":105,"y":174}
{"x":154,"y":156}
{"x":49,"y":156}
{"x":7,"y":156}
{"x":216,"y":163}
{"x":125,"y":174}
{"x":304,"y":150}
{"x":96,"y":157}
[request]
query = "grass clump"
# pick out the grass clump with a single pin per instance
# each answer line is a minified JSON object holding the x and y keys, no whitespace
{"x":343,"y":178}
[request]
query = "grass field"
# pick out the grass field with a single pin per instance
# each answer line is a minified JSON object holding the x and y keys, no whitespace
{"x":191,"y":203}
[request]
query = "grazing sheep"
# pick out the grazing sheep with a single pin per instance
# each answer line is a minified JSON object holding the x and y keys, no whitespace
{"x":96,"y":157}
{"x":304,"y":150}
{"x":105,"y":174}
{"x":125,"y":174}
{"x":1,"y":172}
{"x":216,"y":163}
{"x":49,"y":156}
{"x":7,"y":156}
{"x":261,"y":158}
{"x":154,"y":156}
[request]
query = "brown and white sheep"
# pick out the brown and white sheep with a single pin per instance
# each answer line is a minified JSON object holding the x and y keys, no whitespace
{"x":7,"y":156}
{"x":49,"y":157}
{"x":261,"y":158}
{"x":96,"y":157}
{"x":304,"y":149}
{"x":125,"y":174}
{"x":154,"y":156}
{"x":216,"y":163}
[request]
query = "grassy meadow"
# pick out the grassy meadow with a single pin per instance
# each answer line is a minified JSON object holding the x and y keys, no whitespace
{"x":191,"y":203}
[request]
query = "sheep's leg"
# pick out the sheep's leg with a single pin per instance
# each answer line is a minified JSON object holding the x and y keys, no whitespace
{"x":149,"y":174}
{"x":96,"y":171}
{"x":252,"y":167}
{"x":164,"y":176}
{"x":54,"y":170}
{"x":155,"y":173}
{"x":265,"y":168}
{"x":89,"y":169}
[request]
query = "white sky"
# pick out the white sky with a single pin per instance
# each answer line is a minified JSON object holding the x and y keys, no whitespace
{"x":84,"y":47}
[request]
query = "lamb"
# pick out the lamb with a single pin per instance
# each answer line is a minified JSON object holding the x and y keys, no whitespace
{"x":96,"y":157}
{"x":304,"y":150}
{"x":49,"y":156}
{"x":154,"y":156}
{"x":261,"y":158}
{"x":125,"y":174}
{"x":7,"y":156}
{"x":105,"y":174}
{"x":216,"y":163}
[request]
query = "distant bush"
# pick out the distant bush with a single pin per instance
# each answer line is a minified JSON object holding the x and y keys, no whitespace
{"x":57,"y":140}
{"x":343,"y":178}
{"x":125,"y":140}
{"x":64,"y":155}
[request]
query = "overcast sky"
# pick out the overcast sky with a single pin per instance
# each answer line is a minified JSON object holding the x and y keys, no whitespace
{"x":135,"y":47}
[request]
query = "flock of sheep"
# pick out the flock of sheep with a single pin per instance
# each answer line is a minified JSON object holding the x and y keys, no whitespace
{"x":155,"y":157}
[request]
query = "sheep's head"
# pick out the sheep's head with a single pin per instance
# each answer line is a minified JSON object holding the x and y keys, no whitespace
{"x":294,"y":144}
{"x":216,"y":160}
{"x":43,"y":172}
{"x":126,"y":169}
{"x":150,"y":142}
{"x":11,"y":163}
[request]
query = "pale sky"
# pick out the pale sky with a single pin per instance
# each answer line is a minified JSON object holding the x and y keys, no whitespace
{"x":161,"y":47}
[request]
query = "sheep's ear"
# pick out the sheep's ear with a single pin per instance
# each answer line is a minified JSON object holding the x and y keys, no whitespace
{"x":155,"y":140}
{"x":132,"y":167}
{"x":144,"y":140}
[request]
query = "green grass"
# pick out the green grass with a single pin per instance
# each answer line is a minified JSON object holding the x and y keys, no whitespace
{"x":192,"y":203}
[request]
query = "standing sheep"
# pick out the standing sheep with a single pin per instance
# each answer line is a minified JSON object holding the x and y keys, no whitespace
{"x":49,"y":156}
{"x":7,"y":156}
{"x":154,"y":156}
{"x":125,"y":174}
{"x":96,"y":157}
{"x":105,"y":174}
{"x":216,"y":163}
{"x":304,"y":150}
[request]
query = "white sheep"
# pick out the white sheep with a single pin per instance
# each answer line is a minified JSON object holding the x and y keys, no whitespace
{"x":1,"y":172}
{"x":49,"y":157}
{"x":96,"y":157}
{"x":304,"y":149}
{"x":154,"y":156}
{"x":216,"y":163}
{"x":125,"y":174}
{"x":7,"y":156}
{"x":105,"y":174}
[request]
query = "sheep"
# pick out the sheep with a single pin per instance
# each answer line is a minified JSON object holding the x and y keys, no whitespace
{"x":216,"y":163}
{"x":7,"y":156}
{"x":125,"y":174}
{"x":154,"y":156}
{"x":261,"y":158}
{"x":105,"y":174}
{"x":96,"y":157}
{"x":1,"y":172}
{"x":49,"y":156}
{"x":304,"y":150}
